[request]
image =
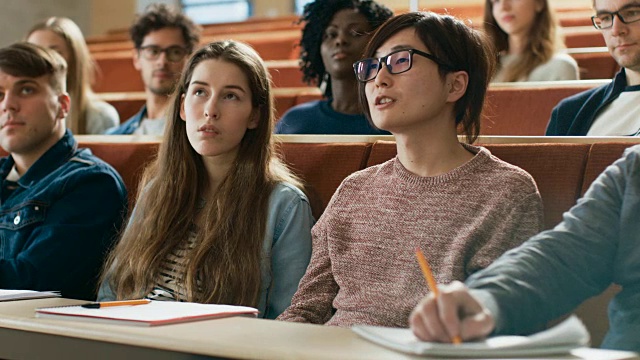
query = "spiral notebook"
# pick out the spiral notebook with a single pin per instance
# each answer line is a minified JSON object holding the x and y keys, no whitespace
{"x":152,"y":314}
{"x":560,"y":339}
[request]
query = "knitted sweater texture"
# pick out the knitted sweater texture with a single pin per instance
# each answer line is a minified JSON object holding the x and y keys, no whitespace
{"x":363,"y":268}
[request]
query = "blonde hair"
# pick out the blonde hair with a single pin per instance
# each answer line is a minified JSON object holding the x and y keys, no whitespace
{"x":228,"y":247}
{"x":544,"y":40}
{"x":81,"y":69}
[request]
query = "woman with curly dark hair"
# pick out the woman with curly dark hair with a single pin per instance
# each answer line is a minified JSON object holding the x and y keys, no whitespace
{"x":333,"y":38}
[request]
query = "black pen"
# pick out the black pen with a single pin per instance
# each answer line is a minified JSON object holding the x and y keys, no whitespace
{"x":98,"y":305}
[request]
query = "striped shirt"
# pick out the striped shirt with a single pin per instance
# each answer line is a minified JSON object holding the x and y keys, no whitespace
{"x":168,"y":285}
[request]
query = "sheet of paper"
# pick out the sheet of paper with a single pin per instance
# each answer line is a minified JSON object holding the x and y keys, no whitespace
{"x":562,"y":338}
{"x":154,"y":313}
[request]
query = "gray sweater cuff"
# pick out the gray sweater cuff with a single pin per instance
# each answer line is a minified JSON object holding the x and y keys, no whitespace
{"x":487,"y":300}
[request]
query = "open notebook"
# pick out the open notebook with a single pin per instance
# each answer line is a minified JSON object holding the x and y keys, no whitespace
{"x":152,"y":314}
{"x":560,"y":339}
{"x":8,"y":295}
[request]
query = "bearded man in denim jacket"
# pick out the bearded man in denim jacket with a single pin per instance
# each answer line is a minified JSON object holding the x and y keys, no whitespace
{"x":60,"y":206}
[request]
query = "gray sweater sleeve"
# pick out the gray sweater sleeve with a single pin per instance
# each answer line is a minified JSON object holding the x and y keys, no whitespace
{"x":553,"y":272}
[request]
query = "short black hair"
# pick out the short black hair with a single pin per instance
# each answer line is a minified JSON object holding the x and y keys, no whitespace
{"x":160,"y":16}
{"x":317,"y":15}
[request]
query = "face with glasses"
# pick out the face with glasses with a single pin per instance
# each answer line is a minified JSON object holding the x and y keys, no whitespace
{"x":404,"y":86}
{"x":160,"y":59}
{"x":396,"y":62}
{"x":619,"y":22}
{"x":173,"y":53}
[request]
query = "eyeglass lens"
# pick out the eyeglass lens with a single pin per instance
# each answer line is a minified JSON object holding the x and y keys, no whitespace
{"x":396,"y":63}
{"x":605,"y":20}
{"x":174,"y":53}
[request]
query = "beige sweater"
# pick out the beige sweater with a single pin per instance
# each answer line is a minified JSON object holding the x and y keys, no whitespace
{"x":363,"y":268}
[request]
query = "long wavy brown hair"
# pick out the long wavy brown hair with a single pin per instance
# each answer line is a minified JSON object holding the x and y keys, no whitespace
{"x":224,"y":265}
{"x":544,"y":40}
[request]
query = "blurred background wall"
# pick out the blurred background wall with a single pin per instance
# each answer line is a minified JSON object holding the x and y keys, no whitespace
{"x":98,"y":16}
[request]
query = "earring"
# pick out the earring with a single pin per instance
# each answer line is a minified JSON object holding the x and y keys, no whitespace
{"x":324,"y":83}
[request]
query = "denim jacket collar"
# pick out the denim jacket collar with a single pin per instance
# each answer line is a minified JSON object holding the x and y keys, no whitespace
{"x":129,"y":126}
{"x":53,"y":158}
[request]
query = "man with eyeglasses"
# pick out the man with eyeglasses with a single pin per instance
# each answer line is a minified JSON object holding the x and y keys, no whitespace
{"x":163,"y":39}
{"x":612,"y":109}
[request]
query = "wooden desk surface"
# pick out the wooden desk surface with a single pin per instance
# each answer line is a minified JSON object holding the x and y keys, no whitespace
{"x":24,"y":336}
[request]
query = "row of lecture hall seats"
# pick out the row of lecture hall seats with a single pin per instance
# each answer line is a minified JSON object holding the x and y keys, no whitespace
{"x":562,"y":169}
{"x":117,"y":74}
{"x":510,"y":109}
{"x":287,"y":39}
{"x":271,"y":44}
{"x":566,"y":16}
{"x":277,"y":38}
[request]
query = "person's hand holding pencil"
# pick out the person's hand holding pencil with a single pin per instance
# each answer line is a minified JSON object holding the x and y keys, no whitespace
{"x":449,"y":313}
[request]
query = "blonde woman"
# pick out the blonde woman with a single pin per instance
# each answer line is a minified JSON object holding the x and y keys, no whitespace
{"x":88,"y":115}
{"x":524,"y":34}
{"x":221,"y":219}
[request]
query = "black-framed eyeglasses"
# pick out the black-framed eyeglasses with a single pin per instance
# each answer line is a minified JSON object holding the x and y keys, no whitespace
{"x":604,"y":20}
{"x":174,"y":53}
{"x":397,"y":62}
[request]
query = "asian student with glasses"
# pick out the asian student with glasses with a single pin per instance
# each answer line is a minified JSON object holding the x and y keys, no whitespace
{"x":424,"y":76}
{"x":611,"y":109}
{"x":162,"y":38}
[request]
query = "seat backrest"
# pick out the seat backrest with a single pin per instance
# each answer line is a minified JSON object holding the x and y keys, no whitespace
{"x":323,"y":166}
{"x":557,"y":169}
{"x":582,"y":36}
{"x":128,"y":158}
{"x":596,"y":65}
{"x":381,"y":151}
{"x":524,"y":110}
{"x":601,"y":155}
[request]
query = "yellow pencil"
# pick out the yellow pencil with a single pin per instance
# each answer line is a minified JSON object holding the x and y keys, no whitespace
{"x":431,"y":282}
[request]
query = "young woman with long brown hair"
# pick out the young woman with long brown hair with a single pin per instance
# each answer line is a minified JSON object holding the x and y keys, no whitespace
{"x":220,"y":218}
{"x":88,"y":115}
{"x":524,"y":32}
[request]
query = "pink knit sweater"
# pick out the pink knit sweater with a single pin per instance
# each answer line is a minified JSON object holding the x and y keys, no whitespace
{"x":363,"y":267}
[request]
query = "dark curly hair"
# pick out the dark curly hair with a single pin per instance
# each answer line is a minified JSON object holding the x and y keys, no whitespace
{"x":160,"y":16}
{"x":317,"y":16}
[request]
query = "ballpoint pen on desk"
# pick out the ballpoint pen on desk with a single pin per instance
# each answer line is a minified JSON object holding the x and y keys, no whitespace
{"x":98,"y":305}
{"x":431,"y":282}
